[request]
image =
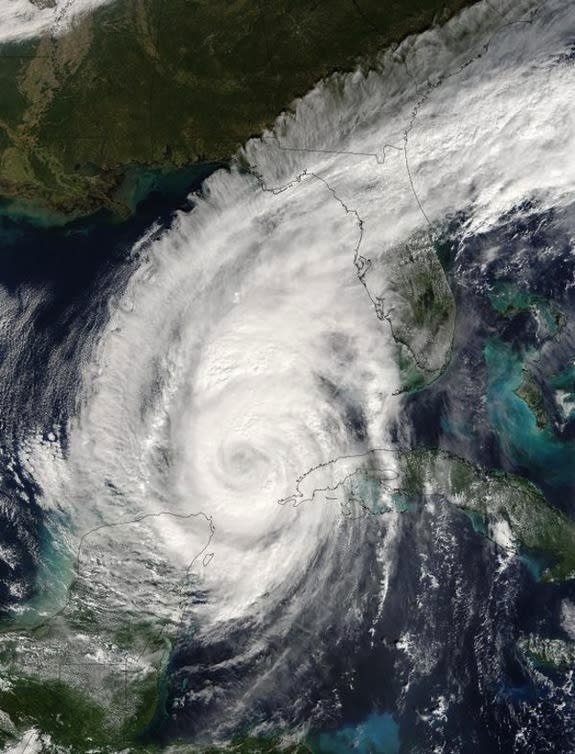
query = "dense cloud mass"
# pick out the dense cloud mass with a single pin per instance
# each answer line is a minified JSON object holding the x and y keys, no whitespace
{"x":251,"y":353}
{"x":24,"y":19}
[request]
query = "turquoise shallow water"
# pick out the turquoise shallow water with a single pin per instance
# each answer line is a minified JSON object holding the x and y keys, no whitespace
{"x":54,"y":576}
{"x":564,"y":380}
{"x":507,"y":298}
{"x":71,"y":265}
{"x":535,"y":564}
{"x":377,"y":734}
{"x":140,"y":182}
{"x":524,"y":444}
{"x":160,"y":189}
{"x":24,"y":212}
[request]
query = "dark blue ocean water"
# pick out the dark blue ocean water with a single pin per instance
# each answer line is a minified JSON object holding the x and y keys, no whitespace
{"x":462,"y":621}
{"x":56,"y":280}
{"x":515,"y":315}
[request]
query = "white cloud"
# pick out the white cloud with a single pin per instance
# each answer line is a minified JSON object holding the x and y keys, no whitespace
{"x":22,"y":19}
{"x":208,"y":391}
{"x":245,"y":335}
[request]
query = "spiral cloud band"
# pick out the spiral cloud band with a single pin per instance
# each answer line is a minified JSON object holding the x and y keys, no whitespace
{"x":253,"y":347}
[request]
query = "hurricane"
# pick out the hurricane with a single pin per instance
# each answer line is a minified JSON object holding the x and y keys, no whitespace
{"x":239,"y":390}
{"x":240,"y":303}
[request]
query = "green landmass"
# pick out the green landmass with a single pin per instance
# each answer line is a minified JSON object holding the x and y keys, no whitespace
{"x":70,"y":722}
{"x":97,"y":685}
{"x":89,"y":675}
{"x":423,"y":312}
{"x":514,"y":421}
{"x":499,"y":504}
{"x":530,"y":392}
{"x":556,"y":654}
{"x":410,"y":290}
{"x":509,"y":299}
{"x":66,"y":715}
{"x":146,"y":83}
{"x":503,"y":507}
